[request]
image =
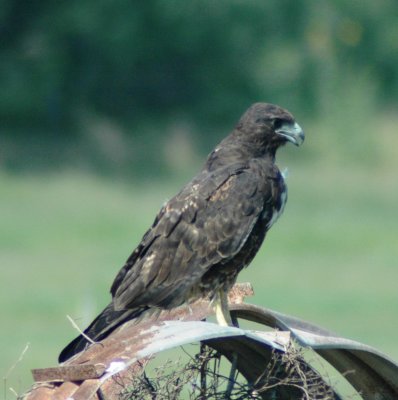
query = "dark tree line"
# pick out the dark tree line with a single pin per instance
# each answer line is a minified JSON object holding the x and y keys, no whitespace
{"x":148,"y":63}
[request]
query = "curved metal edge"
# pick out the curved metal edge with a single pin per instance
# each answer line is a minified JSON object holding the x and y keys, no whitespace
{"x":253,"y":349}
{"x":375,"y":373}
{"x":375,"y":377}
{"x":171,"y":334}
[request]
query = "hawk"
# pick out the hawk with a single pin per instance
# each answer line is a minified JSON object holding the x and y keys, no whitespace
{"x":203,"y":237}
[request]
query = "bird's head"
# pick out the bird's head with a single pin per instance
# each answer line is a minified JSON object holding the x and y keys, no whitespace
{"x":269,"y":126}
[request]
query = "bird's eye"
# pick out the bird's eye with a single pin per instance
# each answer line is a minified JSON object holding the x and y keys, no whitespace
{"x":277,"y":123}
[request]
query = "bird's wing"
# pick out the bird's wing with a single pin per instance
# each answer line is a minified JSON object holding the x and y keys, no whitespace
{"x":207,"y":222}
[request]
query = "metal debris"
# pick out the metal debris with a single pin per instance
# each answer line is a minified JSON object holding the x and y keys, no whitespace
{"x":132,"y":346}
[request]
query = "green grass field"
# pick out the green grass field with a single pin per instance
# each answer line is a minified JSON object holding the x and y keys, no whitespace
{"x":330,"y":259}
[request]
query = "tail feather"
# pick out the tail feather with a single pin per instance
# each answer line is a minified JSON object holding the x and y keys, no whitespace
{"x":99,"y":329}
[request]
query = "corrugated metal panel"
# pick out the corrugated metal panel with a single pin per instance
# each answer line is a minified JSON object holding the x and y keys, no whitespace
{"x":375,"y":374}
{"x":129,"y":348}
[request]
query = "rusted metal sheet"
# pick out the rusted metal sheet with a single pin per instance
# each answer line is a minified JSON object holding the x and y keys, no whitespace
{"x":68,"y":373}
{"x":128,"y":349}
{"x":253,"y":350}
{"x":375,"y":374}
{"x":114,"y":347}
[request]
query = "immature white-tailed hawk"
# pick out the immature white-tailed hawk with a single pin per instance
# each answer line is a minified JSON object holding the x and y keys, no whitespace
{"x":209,"y":231}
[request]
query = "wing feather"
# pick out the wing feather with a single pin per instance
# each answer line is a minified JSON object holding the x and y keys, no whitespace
{"x":207,"y":222}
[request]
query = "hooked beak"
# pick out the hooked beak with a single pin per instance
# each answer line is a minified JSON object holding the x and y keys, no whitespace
{"x":291,"y":132}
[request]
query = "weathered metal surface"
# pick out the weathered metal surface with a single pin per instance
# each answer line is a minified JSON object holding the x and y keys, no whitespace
{"x":128,"y":349}
{"x":42,"y":391}
{"x":68,"y":373}
{"x":253,"y":351}
{"x":375,"y":375}
{"x":239,"y":292}
{"x":114,"y":347}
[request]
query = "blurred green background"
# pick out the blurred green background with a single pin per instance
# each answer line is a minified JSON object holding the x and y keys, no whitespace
{"x":107,"y":108}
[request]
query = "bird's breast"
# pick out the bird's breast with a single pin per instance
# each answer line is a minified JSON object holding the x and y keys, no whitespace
{"x":275,"y":208}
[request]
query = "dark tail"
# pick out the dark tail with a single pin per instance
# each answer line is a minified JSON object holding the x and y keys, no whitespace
{"x":99,"y":329}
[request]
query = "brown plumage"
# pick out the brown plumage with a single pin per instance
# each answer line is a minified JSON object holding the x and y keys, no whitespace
{"x":203,"y":237}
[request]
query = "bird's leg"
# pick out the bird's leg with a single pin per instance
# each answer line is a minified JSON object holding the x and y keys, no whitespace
{"x":221,"y":307}
{"x":223,"y":317}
